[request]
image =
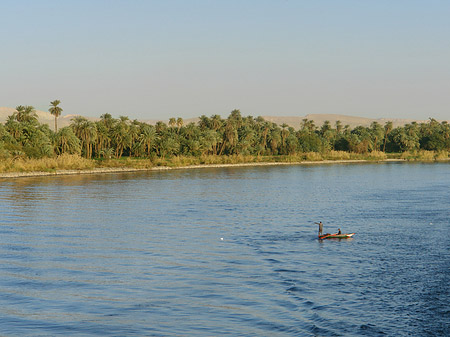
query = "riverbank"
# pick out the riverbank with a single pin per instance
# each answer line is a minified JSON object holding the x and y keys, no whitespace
{"x":163,"y":168}
{"x":75,"y":164}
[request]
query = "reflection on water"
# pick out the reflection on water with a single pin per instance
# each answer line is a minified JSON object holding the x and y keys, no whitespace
{"x":229,"y":251}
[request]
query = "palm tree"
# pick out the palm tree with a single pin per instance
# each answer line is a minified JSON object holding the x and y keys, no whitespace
{"x":190,"y":131}
{"x":387,"y":129}
{"x":147,"y":137}
{"x":67,"y":142}
{"x":169,"y":146}
{"x":107,"y":153}
{"x":108,"y":120}
{"x":55,"y":110}
{"x":18,"y":114}
{"x":376,"y":131}
{"x":13,"y":127}
{"x":26,"y":114}
{"x":263,"y":128}
{"x":204,"y":122}
{"x":308,"y":125}
{"x":338,"y":125}
{"x":172,"y":122}
{"x":133,"y":131}
{"x":208,"y":142}
{"x":180,"y":123}
{"x":121,"y":137}
{"x":361,"y":142}
{"x":216,"y":122}
{"x":236,"y":118}
{"x":274,"y":139}
{"x":160,"y":127}
{"x":86,"y":131}
{"x":284,"y":134}
{"x":326,"y":126}
{"x":103,"y":138}
{"x":230,"y":136}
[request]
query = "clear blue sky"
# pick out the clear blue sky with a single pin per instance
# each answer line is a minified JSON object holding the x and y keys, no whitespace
{"x":178,"y":58}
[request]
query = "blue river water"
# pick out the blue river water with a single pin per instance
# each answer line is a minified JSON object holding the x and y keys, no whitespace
{"x":228,"y":252}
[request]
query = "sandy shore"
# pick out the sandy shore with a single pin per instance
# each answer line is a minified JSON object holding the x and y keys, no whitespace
{"x":163,"y":168}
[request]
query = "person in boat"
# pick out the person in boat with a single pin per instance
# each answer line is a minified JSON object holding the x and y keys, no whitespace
{"x":339,"y":231}
{"x":320,"y":227}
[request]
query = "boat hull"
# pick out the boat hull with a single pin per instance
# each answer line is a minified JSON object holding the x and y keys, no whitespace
{"x":336,"y":236}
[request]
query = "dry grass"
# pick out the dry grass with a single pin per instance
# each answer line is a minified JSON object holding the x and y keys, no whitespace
{"x":75,"y":162}
{"x":342,"y":155}
{"x":418,"y":155}
{"x":375,"y":155}
{"x":338,"y":155}
{"x":63,"y":162}
{"x":313,"y":156}
{"x":423,"y":155}
{"x":442,"y":155}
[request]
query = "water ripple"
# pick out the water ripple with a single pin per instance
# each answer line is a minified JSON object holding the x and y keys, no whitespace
{"x":230,"y":251}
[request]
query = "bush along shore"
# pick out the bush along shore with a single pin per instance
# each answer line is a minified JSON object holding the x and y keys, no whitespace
{"x":121,"y":144}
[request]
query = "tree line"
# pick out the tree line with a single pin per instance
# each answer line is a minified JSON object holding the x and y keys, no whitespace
{"x":23,"y":136}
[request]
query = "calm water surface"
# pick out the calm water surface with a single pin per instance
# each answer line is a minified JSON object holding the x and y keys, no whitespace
{"x":229,"y":251}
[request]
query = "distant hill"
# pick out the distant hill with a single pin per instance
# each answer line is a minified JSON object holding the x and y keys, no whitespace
{"x":295,"y":122}
{"x":154,"y":121}
{"x":319,"y":119}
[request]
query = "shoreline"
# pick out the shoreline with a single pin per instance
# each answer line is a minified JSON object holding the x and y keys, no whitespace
{"x":7,"y":175}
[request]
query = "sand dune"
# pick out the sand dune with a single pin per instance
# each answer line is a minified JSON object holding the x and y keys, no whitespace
{"x":353,"y":121}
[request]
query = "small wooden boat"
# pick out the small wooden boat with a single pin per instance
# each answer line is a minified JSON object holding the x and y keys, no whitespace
{"x":336,"y":236}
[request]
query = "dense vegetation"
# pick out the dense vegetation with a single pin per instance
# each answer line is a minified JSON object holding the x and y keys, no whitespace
{"x":22,"y":136}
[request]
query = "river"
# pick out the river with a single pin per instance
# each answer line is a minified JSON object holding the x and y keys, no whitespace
{"x":228,"y":251}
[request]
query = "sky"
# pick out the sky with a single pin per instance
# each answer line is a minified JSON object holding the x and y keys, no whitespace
{"x":177,"y":58}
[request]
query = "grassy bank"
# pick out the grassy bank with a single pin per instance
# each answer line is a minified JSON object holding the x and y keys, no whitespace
{"x":63,"y":162}
{"x":74,"y":162}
